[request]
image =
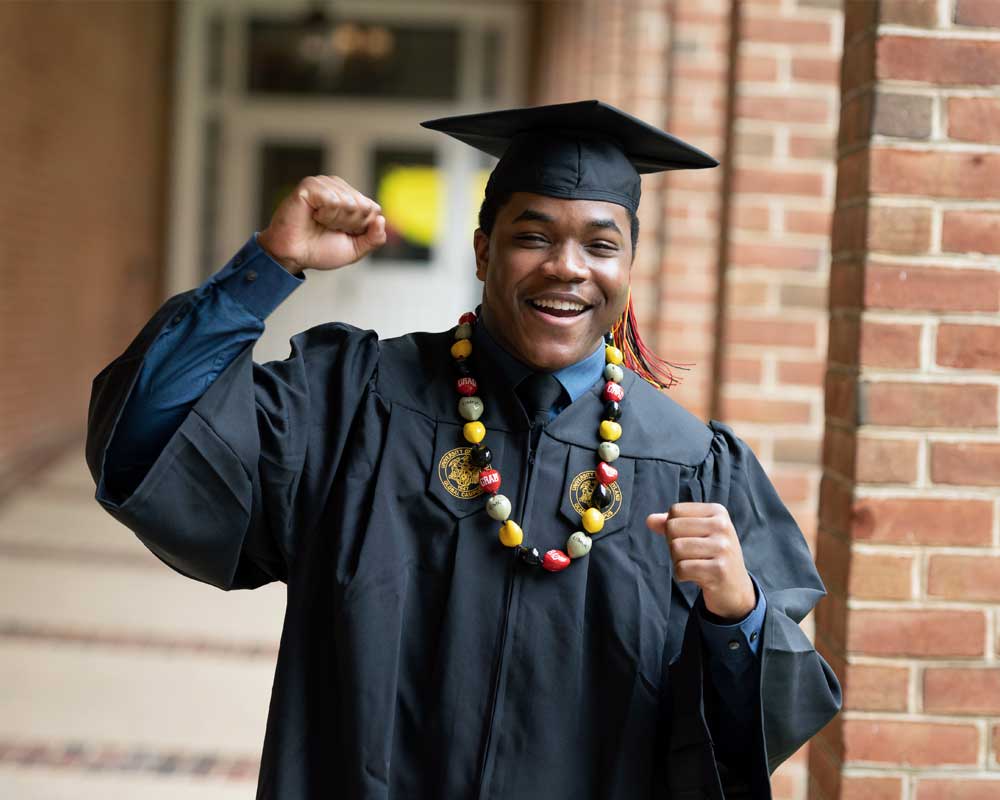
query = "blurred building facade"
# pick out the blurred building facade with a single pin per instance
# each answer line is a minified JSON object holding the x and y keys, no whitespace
{"x":145,"y":141}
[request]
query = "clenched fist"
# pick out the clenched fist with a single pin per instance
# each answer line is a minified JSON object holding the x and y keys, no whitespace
{"x":325,"y":223}
{"x":705,"y":549}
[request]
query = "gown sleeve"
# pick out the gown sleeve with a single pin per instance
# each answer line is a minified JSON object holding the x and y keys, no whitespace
{"x":222,"y":503}
{"x":799,"y":692}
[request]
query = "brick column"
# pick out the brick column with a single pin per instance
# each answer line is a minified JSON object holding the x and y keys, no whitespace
{"x":908,"y":541}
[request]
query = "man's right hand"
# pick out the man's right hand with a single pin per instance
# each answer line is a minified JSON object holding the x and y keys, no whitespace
{"x":324,"y":224}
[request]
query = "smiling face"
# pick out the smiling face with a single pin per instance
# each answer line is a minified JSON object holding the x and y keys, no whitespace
{"x":555,"y":276}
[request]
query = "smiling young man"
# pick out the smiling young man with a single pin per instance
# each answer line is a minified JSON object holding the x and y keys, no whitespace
{"x":515,"y":567}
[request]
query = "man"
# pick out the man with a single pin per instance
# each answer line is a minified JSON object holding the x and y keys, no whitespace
{"x":618,"y":619}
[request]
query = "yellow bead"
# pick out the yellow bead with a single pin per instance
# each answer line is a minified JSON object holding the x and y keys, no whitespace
{"x":613,"y":355}
{"x":593,"y":520}
{"x":610,"y":431}
{"x":474,"y":432}
{"x":462,"y":348}
{"x":511,"y":534}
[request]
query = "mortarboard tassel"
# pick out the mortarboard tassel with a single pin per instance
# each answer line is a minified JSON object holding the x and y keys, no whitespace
{"x":638,"y":357}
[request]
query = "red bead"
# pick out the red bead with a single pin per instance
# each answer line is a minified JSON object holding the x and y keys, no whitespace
{"x":606,"y":474}
{"x":613,"y":391}
{"x":467,"y":317}
{"x":555,"y":561}
{"x":467,"y":386}
{"x":489,"y":480}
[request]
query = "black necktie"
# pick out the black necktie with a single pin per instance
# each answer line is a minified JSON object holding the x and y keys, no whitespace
{"x":538,"y":393}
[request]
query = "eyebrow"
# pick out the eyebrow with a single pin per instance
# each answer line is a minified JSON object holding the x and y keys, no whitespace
{"x":531,"y":215}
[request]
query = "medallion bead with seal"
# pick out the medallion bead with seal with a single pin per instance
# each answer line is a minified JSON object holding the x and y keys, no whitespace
{"x":498,"y":507}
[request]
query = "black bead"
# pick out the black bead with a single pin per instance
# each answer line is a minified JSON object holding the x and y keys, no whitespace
{"x":613,"y":410}
{"x":601,"y":497}
{"x":462,"y":367}
{"x":529,"y":555}
{"x":481,"y":456}
{"x":609,"y":338}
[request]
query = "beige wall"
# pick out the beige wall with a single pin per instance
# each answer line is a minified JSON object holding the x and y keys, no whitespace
{"x":85,"y":92}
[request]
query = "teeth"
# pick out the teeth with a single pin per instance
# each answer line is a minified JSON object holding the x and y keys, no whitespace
{"x":559,"y":305}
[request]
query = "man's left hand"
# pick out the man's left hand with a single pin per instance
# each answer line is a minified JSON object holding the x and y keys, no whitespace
{"x":705,"y":549}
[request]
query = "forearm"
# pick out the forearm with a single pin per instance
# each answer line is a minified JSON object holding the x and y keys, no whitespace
{"x":225,"y":315}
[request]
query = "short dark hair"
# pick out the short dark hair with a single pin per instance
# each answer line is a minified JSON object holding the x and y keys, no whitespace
{"x":492,"y":204}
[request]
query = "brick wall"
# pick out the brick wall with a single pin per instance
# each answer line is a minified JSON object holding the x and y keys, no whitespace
{"x":84,"y":131}
{"x":909,"y":543}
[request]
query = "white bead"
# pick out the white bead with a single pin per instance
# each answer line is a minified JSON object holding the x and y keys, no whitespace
{"x":578,"y":544}
{"x":471,"y":408}
{"x":608,"y":451}
{"x":498,"y":507}
{"x":463,"y":331}
{"x":613,"y":373}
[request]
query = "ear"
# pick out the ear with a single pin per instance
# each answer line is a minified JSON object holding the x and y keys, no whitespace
{"x":481,"y":245}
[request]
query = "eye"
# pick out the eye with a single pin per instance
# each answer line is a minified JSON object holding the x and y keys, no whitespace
{"x":533,"y":238}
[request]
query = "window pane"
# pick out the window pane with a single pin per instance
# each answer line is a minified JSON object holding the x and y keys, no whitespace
{"x":342,"y":57}
{"x":281,"y":167}
{"x":410,"y":188}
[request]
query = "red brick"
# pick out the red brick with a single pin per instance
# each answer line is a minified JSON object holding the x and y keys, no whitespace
{"x":916,"y":744}
{"x":753,"y":181}
{"x":822,"y":70}
{"x":792,"y":486}
{"x":858,"y":787}
{"x":839,"y":448}
{"x":888,"y":345}
{"x":980,"y":788}
{"x":969,"y":346}
{"x":938,"y":61}
{"x":802,"y":373}
{"x":886,"y":460}
{"x":916,"y":13}
{"x":793,"y":296}
{"x":935,"y":174}
{"x":931,"y":289}
{"x":785,"y":31}
{"x":964,"y":578}
{"x":923,"y":521}
{"x":974,"y":119}
{"x":995,"y":743}
{"x":899,"y":229}
{"x":746,"y":293}
{"x":917,"y":633}
{"x":929,"y":405}
{"x":784,"y":109}
{"x":907,"y":116}
{"x":850,"y":230}
{"x":796,"y":450}
{"x":984,"y":13}
{"x":771,"y":332}
{"x":799,"y":221}
{"x":965,"y":463}
{"x":876,"y":576}
{"x":754,"y":143}
{"x":775,"y":256}
{"x":817,"y":147}
{"x":756,"y":68}
{"x":971,"y":232}
{"x":751,"y":216}
{"x":846,"y":282}
{"x":757,"y":409}
{"x":858,"y":64}
{"x":856,"y":118}
{"x":853,"y":177}
{"x":962,"y":690}
{"x":876,"y":688}
{"x":742,"y":370}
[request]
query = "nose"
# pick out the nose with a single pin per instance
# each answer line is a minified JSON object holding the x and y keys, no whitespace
{"x":567,"y":264}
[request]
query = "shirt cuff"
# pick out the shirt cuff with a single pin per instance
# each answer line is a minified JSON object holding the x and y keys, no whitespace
{"x":256,"y":280}
{"x":732,"y":642}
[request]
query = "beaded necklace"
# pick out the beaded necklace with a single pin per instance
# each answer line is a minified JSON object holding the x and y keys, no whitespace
{"x":498,"y":507}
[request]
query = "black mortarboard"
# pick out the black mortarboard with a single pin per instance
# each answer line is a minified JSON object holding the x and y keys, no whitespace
{"x":586,"y":150}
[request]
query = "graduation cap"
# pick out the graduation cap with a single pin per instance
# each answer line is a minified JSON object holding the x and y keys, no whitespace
{"x":587,"y":150}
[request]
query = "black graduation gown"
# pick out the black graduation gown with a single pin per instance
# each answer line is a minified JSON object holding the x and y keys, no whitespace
{"x":417,"y":658}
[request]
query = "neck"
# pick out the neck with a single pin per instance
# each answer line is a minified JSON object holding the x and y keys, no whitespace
{"x":497,"y":335}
